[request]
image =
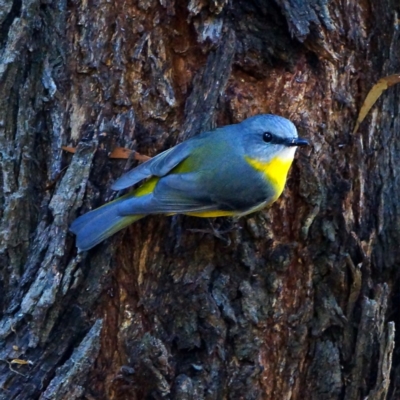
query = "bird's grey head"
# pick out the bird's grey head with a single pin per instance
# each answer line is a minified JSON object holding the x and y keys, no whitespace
{"x":267,"y":135}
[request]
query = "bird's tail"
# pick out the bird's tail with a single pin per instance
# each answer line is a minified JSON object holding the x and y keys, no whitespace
{"x":99,"y":224}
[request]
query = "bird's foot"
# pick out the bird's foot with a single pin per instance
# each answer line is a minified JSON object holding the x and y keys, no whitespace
{"x":221,"y":234}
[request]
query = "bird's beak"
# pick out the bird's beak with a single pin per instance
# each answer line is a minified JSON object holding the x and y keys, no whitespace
{"x":297,"y":142}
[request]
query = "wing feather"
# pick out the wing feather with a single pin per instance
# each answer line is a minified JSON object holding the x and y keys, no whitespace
{"x":159,"y":165}
{"x":174,"y":193}
{"x":173,"y":205}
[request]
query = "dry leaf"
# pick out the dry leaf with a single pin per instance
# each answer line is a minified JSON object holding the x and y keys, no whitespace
{"x":69,"y":149}
{"x":21,"y":362}
{"x":118,"y":152}
{"x":374,"y":95}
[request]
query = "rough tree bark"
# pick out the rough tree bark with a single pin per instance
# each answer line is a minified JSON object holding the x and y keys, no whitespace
{"x":303,"y":301}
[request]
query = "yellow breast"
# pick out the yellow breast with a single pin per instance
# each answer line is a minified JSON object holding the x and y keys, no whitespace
{"x":275,"y":171}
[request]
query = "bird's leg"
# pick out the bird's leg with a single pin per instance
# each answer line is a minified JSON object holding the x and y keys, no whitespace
{"x":218,"y":233}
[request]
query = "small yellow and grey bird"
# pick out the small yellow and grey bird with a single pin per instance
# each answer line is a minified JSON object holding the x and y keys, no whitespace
{"x":230,"y":171}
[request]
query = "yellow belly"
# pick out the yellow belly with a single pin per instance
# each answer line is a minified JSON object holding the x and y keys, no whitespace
{"x":211,"y":214}
{"x":275,"y":172}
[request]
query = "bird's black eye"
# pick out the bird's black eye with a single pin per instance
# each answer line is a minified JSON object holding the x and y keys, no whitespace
{"x":267,"y":136}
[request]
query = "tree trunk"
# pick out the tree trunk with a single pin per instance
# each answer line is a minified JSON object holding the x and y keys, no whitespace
{"x":298,"y":302}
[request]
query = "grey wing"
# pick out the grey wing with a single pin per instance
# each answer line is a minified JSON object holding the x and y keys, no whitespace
{"x":159,"y":165}
{"x":234,"y":187}
{"x":176,"y":193}
{"x":184,"y":192}
{"x":190,"y":192}
{"x":227,"y":186}
{"x":225,"y":181}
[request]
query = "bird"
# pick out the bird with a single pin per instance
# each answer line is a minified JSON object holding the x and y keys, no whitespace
{"x":233,"y":170}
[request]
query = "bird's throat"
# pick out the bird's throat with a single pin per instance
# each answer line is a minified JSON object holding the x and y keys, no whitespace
{"x":275,"y":170}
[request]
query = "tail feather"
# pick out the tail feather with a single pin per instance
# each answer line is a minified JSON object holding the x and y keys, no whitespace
{"x":97,"y":225}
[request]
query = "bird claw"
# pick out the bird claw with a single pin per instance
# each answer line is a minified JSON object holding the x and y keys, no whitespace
{"x":219,"y":234}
